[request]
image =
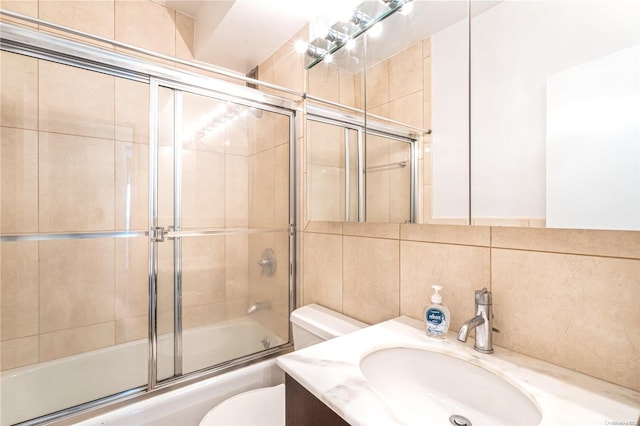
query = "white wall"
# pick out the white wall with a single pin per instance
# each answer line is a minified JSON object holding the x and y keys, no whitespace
{"x":450,"y":122}
{"x":515,"y":46}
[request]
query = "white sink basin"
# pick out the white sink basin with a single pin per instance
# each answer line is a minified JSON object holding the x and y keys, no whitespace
{"x":424,"y":383}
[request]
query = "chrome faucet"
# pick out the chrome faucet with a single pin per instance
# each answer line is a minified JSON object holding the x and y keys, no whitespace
{"x":260,"y":306}
{"x":481,"y":323}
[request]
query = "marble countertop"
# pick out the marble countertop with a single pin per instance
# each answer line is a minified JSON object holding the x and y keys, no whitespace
{"x":330,"y":371}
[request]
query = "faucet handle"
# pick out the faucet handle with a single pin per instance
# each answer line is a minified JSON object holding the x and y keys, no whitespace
{"x":483,"y":297}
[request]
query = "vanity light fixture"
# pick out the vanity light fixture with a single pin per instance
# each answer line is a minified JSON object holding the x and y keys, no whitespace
{"x":366,"y":16}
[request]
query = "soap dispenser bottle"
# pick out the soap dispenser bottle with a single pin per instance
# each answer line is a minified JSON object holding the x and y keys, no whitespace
{"x":436,"y":316}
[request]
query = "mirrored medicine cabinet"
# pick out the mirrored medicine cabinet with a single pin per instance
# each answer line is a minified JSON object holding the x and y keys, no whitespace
{"x":533,"y":108}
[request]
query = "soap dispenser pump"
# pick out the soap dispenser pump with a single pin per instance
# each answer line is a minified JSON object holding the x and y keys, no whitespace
{"x":436,"y":315}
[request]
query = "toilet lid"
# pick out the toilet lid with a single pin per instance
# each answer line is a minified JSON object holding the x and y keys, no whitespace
{"x":259,"y":407}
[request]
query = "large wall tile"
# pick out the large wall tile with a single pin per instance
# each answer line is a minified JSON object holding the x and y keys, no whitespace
{"x":575,"y":241}
{"x":405,"y":72}
{"x":322,"y":270}
{"x":77,"y":280}
{"x":374,"y":230}
{"x":132,"y":328}
{"x":131,"y":111}
{"x":23,"y":7}
{"x":324,"y":82}
{"x":132,"y":277}
{"x":371,"y":290}
{"x":281,"y":192}
{"x":94,"y":17}
{"x":203,"y":189}
{"x":262,"y":189}
{"x":19,"y":102}
{"x":237,"y":191}
{"x":19,"y":181}
{"x":579,"y":312}
{"x":76,"y":183}
{"x":132,"y":186}
{"x":450,"y":234}
{"x":136,"y":20}
{"x":236,"y":267}
{"x":460,"y":270}
{"x":18,"y":352}
{"x":408,"y":109}
{"x":325,"y":191}
{"x":324,"y":227}
{"x":19,"y":289}
{"x":203,"y":275}
{"x":377,"y":85}
{"x":325,"y":144}
{"x":196,"y":316}
{"x":62,"y":343}
{"x":76,"y":101}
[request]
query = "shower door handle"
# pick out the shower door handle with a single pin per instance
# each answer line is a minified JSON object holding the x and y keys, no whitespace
{"x":159,"y":233}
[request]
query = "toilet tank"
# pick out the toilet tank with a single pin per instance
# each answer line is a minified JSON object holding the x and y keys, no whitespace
{"x":313,"y":324}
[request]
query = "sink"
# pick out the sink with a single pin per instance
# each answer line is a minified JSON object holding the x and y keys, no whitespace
{"x":426,"y":384}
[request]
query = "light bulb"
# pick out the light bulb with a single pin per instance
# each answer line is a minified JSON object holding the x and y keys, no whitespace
{"x":328,"y":58}
{"x":350,"y":44}
{"x":376,"y":30}
{"x":301,"y":46}
{"x":406,"y":8}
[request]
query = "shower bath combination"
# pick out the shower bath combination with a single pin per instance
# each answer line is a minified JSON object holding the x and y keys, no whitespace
{"x":154,"y":191}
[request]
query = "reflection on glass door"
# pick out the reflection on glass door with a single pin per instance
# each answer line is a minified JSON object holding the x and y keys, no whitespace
{"x":388,"y":179}
{"x":223,"y":205}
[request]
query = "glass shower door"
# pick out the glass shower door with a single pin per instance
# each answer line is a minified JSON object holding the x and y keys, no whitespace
{"x":223,"y":210}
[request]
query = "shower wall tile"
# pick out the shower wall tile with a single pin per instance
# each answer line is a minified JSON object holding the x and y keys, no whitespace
{"x":18,"y":352}
{"x":74,"y":101}
{"x":426,"y":47}
{"x":131,"y":111}
{"x":236,"y":267}
{"x":377,"y":85}
{"x":196,"y":316}
{"x":185,"y":31}
{"x":203,"y":270}
{"x":262,"y":189}
{"x":137,"y":20}
{"x":426,"y":82}
{"x":459,"y":269}
{"x":237,"y":135}
{"x":19,"y":102}
{"x":132,"y":328}
{"x":23,"y":7}
{"x":324,"y":82}
{"x":76,"y":183}
{"x":405,"y":72}
{"x":325,"y":144}
{"x":264,"y":132}
{"x":372,"y":230}
{"x":203,"y":189}
{"x":237,"y":191}
{"x":60,"y":344}
{"x":94,"y":17}
{"x":287,"y":69}
{"x":371,"y":287}
{"x":579,"y":312}
{"x":322,"y":270}
{"x":77,"y":280}
{"x":347,"y":88}
{"x":408,"y":109}
{"x":131,"y":277}
{"x":326,"y":193}
{"x":19,"y":289}
{"x":282,"y":129}
{"x":131,"y":186}
{"x":19,"y":181}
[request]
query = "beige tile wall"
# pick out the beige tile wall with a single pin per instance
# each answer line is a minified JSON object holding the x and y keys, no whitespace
{"x":568,"y":297}
{"x":73,"y":141}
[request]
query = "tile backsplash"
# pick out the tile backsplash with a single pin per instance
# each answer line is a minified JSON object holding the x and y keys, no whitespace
{"x":568,"y":297}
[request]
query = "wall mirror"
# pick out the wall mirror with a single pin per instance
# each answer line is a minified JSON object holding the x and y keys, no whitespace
{"x":410,"y":74}
{"x":555,"y":114}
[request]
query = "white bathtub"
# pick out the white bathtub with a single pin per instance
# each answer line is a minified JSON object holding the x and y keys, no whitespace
{"x":39,"y":389}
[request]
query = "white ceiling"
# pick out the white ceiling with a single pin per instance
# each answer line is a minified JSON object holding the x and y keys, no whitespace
{"x":240,"y":34}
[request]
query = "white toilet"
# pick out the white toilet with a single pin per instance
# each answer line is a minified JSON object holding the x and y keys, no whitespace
{"x":311,"y":324}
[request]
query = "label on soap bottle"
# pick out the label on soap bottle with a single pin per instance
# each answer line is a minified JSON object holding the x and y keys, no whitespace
{"x":435,"y":321}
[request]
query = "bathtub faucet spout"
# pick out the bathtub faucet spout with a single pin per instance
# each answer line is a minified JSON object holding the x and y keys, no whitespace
{"x":260,"y":306}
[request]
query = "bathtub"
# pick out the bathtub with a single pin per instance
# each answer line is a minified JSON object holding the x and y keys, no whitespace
{"x":39,"y":389}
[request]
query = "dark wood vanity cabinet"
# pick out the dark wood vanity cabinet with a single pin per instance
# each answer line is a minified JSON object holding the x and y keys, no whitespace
{"x":304,"y":409}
